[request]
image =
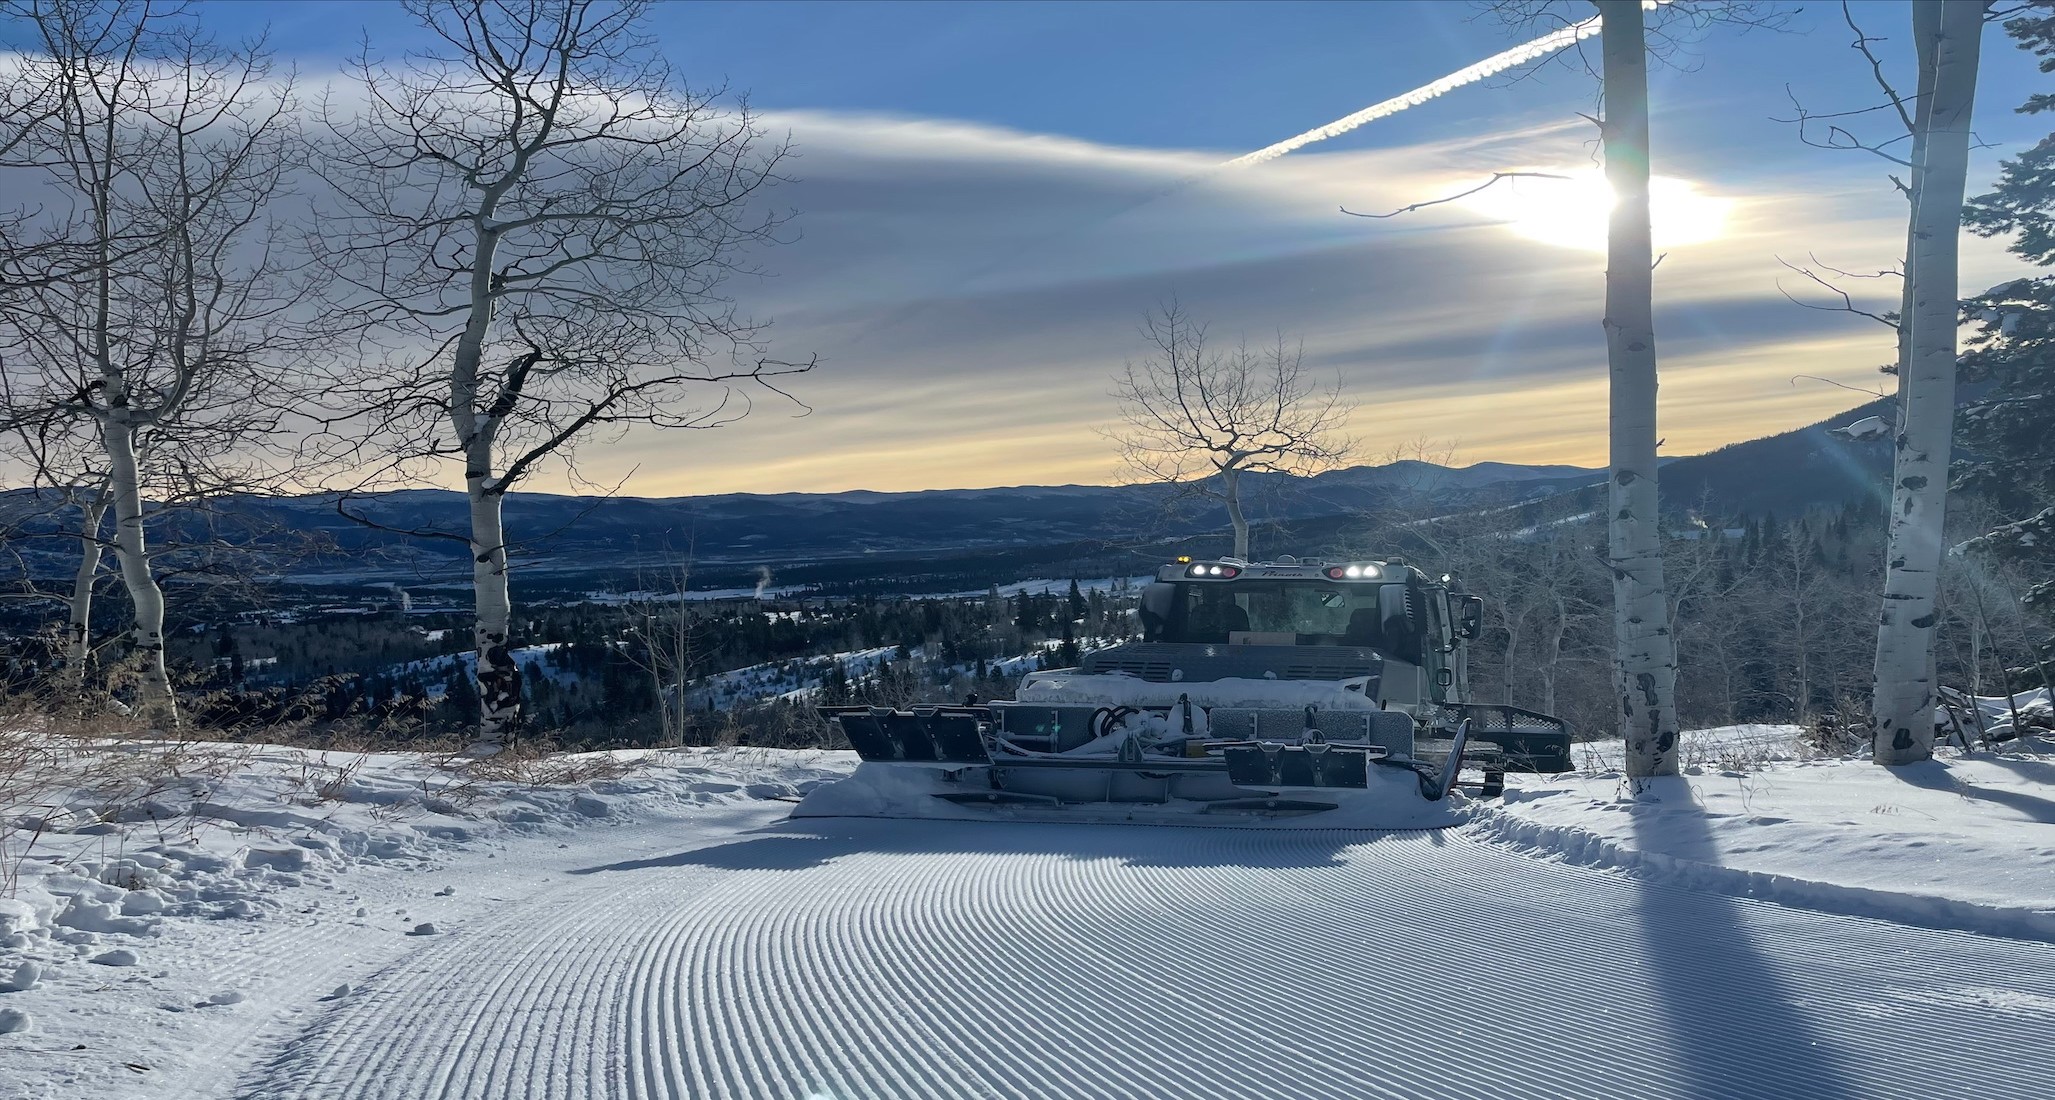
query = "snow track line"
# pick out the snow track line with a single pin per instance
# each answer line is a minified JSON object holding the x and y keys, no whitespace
{"x":850,"y":959}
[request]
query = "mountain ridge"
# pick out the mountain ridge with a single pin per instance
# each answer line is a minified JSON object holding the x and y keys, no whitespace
{"x":733,"y":535}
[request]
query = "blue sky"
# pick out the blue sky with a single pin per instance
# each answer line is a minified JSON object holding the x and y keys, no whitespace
{"x":966,"y":248}
{"x":1225,"y":76}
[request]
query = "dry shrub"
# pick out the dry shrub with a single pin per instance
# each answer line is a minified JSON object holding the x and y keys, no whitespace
{"x":1839,"y":732}
{"x":66,"y":771}
{"x":770,"y":726}
{"x":67,"y":755}
{"x":538,"y":762}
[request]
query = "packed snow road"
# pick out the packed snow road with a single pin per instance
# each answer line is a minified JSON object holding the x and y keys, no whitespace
{"x":848,"y":958}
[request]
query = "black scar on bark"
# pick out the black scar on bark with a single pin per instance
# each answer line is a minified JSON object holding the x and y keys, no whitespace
{"x":1901,"y":740}
{"x":1646,"y":682}
{"x":1924,"y":621}
{"x":1624,"y":477}
{"x":1914,"y":482}
{"x":500,"y":688}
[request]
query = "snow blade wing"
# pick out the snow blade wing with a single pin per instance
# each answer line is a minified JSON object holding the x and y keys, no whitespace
{"x":1288,"y":766}
{"x":923,"y":737}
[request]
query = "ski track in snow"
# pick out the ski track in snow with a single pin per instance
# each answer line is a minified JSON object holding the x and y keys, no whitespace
{"x":847,"y":959}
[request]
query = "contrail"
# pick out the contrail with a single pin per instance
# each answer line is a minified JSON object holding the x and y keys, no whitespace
{"x":1469,"y":74}
{"x":1496,"y":63}
{"x":1490,"y":66}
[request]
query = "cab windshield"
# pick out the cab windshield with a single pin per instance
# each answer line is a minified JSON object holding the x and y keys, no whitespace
{"x":1293,"y":613}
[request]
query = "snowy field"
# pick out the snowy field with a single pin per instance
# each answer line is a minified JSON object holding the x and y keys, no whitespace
{"x":273,"y":922}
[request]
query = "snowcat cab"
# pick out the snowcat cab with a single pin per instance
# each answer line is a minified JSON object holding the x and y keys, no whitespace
{"x":1259,"y":689}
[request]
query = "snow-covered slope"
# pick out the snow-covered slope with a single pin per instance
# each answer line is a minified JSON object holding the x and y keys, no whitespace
{"x":649,"y":925}
{"x":888,"y":959}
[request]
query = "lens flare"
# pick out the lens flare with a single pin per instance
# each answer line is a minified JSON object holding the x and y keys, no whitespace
{"x":1572,"y":212}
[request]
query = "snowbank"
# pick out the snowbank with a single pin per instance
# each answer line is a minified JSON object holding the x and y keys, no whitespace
{"x":174,"y":902}
{"x":1958,"y":842}
{"x":1994,"y":716}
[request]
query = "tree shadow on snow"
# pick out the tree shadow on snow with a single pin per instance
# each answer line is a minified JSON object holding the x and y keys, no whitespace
{"x":1723,"y":1011}
{"x":760,"y":853}
{"x":2039,"y":767}
{"x":1934,"y":775}
{"x":799,"y":845}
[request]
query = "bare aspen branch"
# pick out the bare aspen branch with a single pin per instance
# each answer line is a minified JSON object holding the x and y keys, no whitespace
{"x":1195,"y":420}
{"x":148,"y":302}
{"x":1495,"y":178}
{"x":1847,"y":302}
{"x":535,"y":222}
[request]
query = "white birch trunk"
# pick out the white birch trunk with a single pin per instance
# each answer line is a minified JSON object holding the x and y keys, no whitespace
{"x":124,"y":485}
{"x":1926,"y":23}
{"x":1644,"y":653}
{"x":78,"y":634}
{"x":499,"y":678}
{"x":1231,"y":488}
{"x":1903,"y":701}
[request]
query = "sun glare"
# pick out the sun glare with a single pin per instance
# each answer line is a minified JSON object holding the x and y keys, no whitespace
{"x":1571,"y":212}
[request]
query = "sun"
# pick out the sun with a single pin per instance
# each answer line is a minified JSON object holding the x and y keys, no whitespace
{"x":1571,"y":212}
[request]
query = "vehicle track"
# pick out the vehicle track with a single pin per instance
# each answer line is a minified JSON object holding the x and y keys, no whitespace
{"x":849,"y":958}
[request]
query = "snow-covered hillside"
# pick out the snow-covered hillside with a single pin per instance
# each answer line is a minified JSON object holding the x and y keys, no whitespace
{"x":435,"y":673}
{"x":793,"y":680}
{"x":799,"y":679}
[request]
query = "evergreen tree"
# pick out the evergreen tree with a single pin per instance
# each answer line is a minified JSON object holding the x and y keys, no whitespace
{"x":2008,"y":446}
{"x":1077,"y":601}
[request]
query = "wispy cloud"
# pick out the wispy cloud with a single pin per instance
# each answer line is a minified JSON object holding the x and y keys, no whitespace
{"x":971,"y":289}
